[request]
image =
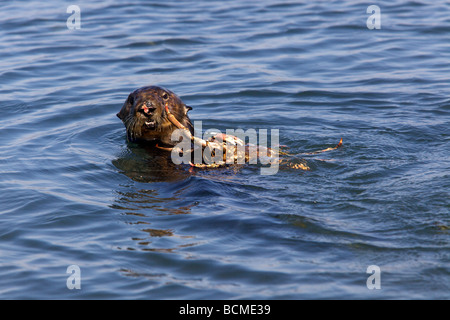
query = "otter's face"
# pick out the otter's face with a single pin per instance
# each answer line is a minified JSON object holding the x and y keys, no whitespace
{"x":144,"y":116}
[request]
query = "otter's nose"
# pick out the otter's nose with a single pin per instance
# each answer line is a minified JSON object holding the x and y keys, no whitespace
{"x":147,"y":108}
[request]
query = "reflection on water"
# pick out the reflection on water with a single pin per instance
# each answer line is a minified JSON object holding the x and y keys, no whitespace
{"x":149,"y":164}
{"x":141,"y":208}
{"x":135,"y":202}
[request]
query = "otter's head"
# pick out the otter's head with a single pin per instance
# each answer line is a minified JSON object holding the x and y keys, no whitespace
{"x":145,"y":118}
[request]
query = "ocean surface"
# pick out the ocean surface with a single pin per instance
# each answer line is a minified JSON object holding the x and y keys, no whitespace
{"x":75,"y":192}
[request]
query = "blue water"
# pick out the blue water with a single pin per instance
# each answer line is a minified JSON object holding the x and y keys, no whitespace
{"x":74,"y":192}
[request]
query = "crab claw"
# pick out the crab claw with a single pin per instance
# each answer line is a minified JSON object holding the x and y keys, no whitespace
{"x":163,"y":148}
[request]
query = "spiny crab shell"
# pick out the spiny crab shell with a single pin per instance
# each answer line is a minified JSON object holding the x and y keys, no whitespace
{"x":233,"y":150}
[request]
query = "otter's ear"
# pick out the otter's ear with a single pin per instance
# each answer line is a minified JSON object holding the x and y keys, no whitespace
{"x":126,"y":107}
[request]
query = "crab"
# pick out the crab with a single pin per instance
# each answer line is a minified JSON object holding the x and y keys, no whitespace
{"x":234,"y":150}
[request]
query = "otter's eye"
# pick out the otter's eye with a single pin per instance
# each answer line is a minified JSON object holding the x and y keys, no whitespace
{"x":165,"y":96}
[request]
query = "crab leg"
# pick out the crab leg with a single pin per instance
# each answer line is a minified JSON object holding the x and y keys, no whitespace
{"x":163,"y":148}
{"x":177,"y":124}
{"x":324,"y":150}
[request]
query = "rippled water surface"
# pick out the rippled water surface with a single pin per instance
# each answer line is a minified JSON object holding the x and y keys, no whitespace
{"x":74,"y":192}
